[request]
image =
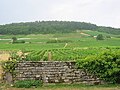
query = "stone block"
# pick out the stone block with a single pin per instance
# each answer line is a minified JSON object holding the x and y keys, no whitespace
{"x":37,"y":76}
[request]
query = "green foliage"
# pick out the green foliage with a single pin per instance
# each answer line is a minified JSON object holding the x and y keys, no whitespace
{"x":28,"y":83}
{"x":105,"y":65}
{"x":19,"y":41}
{"x":64,"y":54}
{"x":36,"y":56}
{"x":100,"y":37}
{"x":57,"y":54}
{"x":9,"y":66}
{"x":38,"y":41}
{"x":47,"y":27}
{"x":15,"y":56}
{"x":59,"y":41}
{"x":14,"y":39}
{"x":108,"y":36}
{"x":109,"y":30}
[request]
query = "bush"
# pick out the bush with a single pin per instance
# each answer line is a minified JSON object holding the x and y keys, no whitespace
{"x":9,"y":66}
{"x":19,"y":41}
{"x":106,"y":65}
{"x":100,"y":37}
{"x":14,"y":39}
{"x":28,"y":83}
{"x":18,"y":57}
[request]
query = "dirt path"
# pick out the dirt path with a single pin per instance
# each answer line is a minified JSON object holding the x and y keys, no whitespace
{"x":84,"y":34}
{"x":65,"y":45}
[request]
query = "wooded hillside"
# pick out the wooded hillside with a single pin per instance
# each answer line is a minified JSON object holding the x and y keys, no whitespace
{"x":46,"y":27}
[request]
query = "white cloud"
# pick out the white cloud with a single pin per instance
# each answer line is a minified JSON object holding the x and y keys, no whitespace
{"x":101,"y":12}
{"x":77,"y":10}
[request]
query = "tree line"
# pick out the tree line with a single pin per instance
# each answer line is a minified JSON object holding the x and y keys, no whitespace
{"x":47,"y":27}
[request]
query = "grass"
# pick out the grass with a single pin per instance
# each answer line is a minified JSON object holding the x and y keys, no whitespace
{"x":38,"y":41}
{"x":68,"y":87}
{"x":78,"y":87}
{"x":33,"y":46}
{"x":95,"y":33}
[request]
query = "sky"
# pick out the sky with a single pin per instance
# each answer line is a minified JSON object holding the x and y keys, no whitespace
{"x":100,"y":12}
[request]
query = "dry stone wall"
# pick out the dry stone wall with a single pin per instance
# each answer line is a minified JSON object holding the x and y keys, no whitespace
{"x":53,"y":72}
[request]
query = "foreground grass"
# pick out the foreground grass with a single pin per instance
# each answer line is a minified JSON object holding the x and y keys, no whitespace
{"x":68,"y":87}
{"x":79,"y":87}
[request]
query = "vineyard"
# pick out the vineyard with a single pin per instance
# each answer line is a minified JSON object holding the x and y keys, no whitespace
{"x":64,"y":54}
{"x":103,"y":62}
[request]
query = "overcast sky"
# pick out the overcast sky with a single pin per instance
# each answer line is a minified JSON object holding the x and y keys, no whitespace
{"x":100,"y":12}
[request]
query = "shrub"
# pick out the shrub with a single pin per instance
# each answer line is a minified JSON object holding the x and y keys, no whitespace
{"x":106,"y":65}
{"x":27,"y":83}
{"x":100,"y":37}
{"x":19,"y":41}
{"x":15,"y":56}
{"x":9,"y":66}
{"x":14,"y":39}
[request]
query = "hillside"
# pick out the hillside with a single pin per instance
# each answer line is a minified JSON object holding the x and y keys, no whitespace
{"x":47,"y":27}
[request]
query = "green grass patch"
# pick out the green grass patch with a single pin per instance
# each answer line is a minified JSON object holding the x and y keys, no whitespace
{"x":27,"y":83}
{"x":73,"y":40}
{"x":79,"y":87}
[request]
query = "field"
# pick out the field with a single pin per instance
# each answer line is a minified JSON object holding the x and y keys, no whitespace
{"x":80,"y":39}
{"x":64,"y":54}
{"x":66,"y":46}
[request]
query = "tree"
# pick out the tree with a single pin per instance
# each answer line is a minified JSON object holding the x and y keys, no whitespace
{"x":14,"y":39}
{"x":100,"y":37}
